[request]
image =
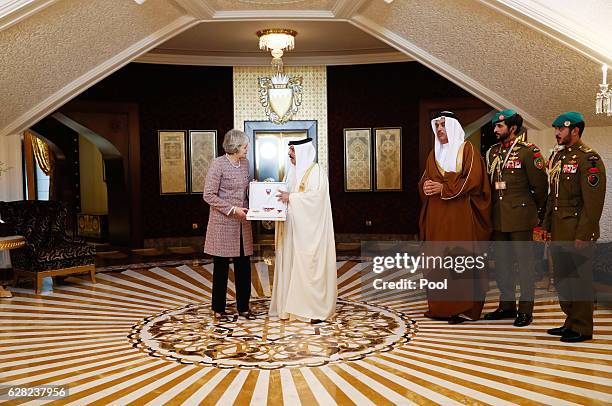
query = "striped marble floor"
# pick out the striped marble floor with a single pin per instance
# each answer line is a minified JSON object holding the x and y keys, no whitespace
{"x":77,"y":336}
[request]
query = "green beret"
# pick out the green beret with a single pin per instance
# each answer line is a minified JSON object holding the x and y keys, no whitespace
{"x":502,"y":115}
{"x":568,"y":119}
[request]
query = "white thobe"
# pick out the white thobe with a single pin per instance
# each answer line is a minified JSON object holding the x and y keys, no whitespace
{"x":305,"y":275}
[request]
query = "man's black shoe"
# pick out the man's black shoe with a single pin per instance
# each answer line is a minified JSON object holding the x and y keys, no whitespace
{"x":456,"y":319}
{"x":500,"y":314}
{"x":557,"y":331}
{"x":571,"y":336}
{"x":523,"y":319}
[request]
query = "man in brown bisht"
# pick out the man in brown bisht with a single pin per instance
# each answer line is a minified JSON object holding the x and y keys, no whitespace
{"x":456,"y":206}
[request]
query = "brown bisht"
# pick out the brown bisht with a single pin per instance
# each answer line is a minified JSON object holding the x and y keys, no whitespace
{"x":462,"y":212}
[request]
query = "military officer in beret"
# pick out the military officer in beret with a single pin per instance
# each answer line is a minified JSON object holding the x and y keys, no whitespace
{"x":575,"y":202}
{"x":520,"y":185}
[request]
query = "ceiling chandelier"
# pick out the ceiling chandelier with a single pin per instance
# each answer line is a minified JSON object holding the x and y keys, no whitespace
{"x":280,"y":94}
{"x":277,"y":40}
{"x":603,"y":100}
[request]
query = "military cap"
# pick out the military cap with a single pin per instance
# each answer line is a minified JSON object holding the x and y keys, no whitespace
{"x":571,"y":118}
{"x":502,"y":115}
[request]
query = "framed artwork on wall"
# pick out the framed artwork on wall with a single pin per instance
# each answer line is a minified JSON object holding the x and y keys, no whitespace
{"x":202,"y":151}
{"x":388,"y":157}
{"x":172,"y":162}
{"x":357,"y":160}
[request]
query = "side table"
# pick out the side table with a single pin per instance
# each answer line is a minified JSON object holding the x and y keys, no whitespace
{"x":10,"y":243}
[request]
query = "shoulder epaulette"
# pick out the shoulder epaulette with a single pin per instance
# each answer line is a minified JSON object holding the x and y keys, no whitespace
{"x":585,"y":148}
{"x":526,"y":144}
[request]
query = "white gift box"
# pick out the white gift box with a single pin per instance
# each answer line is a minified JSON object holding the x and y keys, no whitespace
{"x":263,"y":202}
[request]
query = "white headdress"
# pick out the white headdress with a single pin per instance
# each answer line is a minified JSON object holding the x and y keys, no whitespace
{"x":305,"y":155}
{"x":446,"y":154}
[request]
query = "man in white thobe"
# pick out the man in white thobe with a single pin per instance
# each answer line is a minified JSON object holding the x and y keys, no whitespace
{"x":305,"y":276}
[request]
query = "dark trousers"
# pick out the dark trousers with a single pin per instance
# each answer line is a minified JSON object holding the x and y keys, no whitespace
{"x":514,"y":247}
{"x":574,"y":283}
{"x":242,"y":281}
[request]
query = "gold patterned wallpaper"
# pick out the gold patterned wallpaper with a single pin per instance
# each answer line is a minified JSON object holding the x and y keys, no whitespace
{"x":314,"y":101}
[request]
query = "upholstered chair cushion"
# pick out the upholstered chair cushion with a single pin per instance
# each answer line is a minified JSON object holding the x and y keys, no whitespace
{"x":48,"y":247}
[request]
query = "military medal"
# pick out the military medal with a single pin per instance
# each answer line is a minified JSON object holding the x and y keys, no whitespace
{"x":570,"y":168}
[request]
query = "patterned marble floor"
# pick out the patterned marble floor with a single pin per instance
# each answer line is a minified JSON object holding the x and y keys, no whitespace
{"x":117,"y":342}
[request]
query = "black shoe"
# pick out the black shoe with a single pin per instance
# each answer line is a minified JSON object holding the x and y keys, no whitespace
{"x":456,"y":319}
{"x":571,"y":336}
{"x":500,"y":314}
{"x":222,"y":317}
{"x":523,"y":319}
{"x":247,"y":315}
{"x":557,"y":331}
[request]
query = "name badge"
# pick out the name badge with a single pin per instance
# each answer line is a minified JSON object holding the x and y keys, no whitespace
{"x":570,"y":168}
{"x":501,"y":185}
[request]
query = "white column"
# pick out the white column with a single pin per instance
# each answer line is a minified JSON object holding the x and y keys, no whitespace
{"x":11,"y":182}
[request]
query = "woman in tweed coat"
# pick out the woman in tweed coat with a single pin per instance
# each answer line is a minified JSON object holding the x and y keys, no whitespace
{"x":229,"y":234}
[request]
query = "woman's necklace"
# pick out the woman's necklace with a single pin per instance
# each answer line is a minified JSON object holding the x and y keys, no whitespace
{"x":232,"y":163}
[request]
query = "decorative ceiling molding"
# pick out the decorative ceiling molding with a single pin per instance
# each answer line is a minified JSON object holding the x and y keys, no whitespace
{"x":316,"y":60}
{"x":345,"y":9}
{"x":200,"y":9}
{"x":554,"y":25}
{"x":74,"y":88}
{"x":442,"y":68}
{"x":242,"y":15}
{"x":14,"y":11}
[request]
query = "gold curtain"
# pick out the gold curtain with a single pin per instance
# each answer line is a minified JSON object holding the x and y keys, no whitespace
{"x":43,"y":157}
{"x":42,"y":153}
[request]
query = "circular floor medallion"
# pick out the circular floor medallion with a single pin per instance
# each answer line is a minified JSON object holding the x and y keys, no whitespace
{"x":189,"y":335}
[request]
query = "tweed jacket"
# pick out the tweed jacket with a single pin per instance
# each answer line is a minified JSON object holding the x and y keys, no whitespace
{"x":227,"y":186}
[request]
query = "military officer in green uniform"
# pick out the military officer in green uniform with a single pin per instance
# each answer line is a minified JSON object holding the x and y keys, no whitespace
{"x":520,"y":185}
{"x":575,"y":202}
